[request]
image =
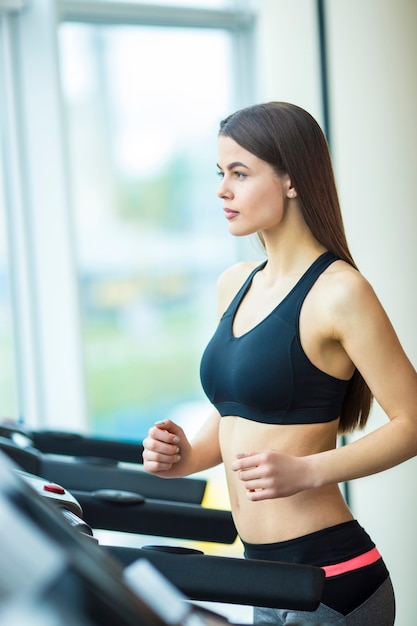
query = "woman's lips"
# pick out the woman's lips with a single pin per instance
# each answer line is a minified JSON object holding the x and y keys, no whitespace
{"x":230,"y":214}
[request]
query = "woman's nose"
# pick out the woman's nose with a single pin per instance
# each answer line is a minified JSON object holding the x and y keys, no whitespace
{"x":223,"y":191}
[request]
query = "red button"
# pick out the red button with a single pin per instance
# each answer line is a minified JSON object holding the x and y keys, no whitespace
{"x":54,"y":488}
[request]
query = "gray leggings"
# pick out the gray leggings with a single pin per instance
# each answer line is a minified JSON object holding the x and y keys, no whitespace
{"x":378,"y":610}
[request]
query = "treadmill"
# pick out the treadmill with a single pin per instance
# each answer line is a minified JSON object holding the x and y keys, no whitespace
{"x":198,"y":576}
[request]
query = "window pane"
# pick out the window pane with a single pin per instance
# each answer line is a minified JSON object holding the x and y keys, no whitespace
{"x":8,"y":383}
{"x":143,"y":106}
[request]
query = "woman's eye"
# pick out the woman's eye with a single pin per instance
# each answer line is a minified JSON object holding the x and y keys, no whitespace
{"x":236,"y":174}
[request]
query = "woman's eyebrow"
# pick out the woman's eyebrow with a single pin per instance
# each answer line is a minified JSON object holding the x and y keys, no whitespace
{"x":231,"y":166}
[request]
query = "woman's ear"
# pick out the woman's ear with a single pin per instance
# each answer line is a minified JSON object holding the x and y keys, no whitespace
{"x":291,"y":191}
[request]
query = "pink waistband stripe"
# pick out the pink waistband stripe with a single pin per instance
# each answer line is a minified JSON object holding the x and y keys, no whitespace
{"x":347,"y":566}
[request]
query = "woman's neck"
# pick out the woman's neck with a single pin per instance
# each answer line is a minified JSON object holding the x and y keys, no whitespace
{"x":290,"y":255}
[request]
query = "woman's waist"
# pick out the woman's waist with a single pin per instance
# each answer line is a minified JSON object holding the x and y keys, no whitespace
{"x":346,"y":542}
{"x":280,"y":519}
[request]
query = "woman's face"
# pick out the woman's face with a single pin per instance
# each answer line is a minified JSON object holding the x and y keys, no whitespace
{"x":253,"y":195}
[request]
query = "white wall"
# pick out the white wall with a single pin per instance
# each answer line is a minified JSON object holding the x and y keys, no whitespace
{"x":373,"y":54}
{"x":372,"y":48}
{"x":287,"y":53}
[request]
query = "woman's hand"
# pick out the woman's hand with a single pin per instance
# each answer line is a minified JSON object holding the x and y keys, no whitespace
{"x":166,"y":449}
{"x":271,"y":474}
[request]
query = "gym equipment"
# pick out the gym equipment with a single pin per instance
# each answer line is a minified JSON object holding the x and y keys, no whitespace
{"x":51,"y":575}
{"x":130,"y":512}
{"x":74,"y":444}
{"x":127,"y":500}
{"x":87,"y":464}
{"x":198,"y":576}
{"x":61,"y":499}
{"x":229,"y":580}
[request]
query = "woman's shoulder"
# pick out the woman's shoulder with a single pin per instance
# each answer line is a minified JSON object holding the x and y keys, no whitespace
{"x":345,"y":289}
{"x":231,"y":280}
{"x":348,"y":279}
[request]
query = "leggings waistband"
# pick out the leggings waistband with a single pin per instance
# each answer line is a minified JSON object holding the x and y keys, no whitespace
{"x":340,"y":544}
{"x":367,"y":558}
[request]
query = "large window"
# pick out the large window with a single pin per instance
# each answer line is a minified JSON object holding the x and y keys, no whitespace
{"x":143,"y":105}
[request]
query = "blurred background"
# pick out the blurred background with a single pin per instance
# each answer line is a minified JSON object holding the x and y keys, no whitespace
{"x":111,"y":235}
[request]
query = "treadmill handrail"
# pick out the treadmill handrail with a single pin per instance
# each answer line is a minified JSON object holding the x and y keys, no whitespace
{"x":75,"y":444}
{"x":234,"y":580}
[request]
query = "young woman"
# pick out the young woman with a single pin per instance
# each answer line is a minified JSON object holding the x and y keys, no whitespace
{"x":301,"y":347}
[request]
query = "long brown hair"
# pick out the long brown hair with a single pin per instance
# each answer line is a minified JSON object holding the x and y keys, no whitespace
{"x":292,"y":142}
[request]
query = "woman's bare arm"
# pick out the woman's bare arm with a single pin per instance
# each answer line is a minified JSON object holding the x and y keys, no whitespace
{"x":169,"y":454}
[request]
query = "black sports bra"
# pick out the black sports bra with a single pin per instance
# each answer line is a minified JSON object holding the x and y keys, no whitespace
{"x":265,"y":375}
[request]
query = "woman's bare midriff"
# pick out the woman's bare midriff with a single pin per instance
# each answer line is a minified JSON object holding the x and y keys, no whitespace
{"x":279,"y":519}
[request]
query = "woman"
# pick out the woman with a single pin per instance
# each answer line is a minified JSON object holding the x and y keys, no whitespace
{"x":302,"y":346}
